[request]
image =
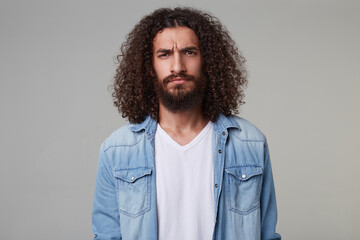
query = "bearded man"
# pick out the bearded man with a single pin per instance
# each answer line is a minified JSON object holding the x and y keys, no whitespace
{"x":184,"y":167}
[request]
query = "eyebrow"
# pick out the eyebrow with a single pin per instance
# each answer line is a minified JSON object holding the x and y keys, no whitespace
{"x":191,"y":48}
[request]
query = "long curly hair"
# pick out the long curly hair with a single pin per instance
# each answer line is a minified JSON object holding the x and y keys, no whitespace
{"x":222,"y":65}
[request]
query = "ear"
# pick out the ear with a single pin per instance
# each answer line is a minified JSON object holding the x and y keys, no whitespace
{"x":152,"y":72}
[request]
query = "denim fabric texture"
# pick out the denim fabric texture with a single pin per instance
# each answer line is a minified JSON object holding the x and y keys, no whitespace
{"x":124,"y":204}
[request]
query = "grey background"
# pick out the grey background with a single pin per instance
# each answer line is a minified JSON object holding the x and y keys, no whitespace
{"x":57,"y":58}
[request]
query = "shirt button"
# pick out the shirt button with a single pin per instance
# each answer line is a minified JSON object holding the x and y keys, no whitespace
{"x":224,"y":133}
{"x":243,"y":176}
{"x":220,"y":151}
{"x":132,"y":178}
{"x":216,"y":185}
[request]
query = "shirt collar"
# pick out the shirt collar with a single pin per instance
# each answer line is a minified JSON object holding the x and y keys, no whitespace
{"x":148,"y":122}
{"x":221,"y":124}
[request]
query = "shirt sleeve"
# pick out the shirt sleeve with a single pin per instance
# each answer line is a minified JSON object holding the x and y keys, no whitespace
{"x":268,"y":202}
{"x":105,"y":215}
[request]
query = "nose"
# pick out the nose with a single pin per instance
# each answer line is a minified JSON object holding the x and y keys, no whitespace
{"x":177,"y":65}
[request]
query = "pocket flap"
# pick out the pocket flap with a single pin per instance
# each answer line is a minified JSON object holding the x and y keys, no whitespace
{"x":243,"y":173}
{"x":131,"y":175}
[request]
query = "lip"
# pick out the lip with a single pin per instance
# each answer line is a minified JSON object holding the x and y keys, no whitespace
{"x":178,"y":80}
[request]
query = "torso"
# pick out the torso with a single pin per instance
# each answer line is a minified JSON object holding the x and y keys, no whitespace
{"x":184,"y":186}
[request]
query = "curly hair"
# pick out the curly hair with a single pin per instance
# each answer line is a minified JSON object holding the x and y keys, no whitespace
{"x":222,"y":65}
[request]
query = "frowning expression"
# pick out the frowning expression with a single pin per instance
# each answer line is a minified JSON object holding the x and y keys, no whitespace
{"x":177,"y":59}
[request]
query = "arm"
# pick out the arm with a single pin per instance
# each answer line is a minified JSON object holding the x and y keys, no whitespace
{"x":268,"y":202}
{"x":105,"y":216}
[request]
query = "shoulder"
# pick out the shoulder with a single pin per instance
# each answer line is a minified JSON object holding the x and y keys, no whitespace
{"x":123,"y":136}
{"x":246,"y":131}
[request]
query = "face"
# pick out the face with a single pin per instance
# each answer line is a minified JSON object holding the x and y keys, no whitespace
{"x":177,"y":63}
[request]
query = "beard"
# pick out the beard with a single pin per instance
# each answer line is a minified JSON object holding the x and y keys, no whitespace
{"x":181,"y":98}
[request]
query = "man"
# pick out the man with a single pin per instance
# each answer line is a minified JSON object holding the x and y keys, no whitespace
{"x":185,"y":168}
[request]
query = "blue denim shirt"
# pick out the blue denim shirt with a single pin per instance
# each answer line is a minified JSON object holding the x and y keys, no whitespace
{"x":125,"y":194}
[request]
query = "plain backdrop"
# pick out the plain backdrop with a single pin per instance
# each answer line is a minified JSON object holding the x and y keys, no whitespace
{"x":57,"y":60}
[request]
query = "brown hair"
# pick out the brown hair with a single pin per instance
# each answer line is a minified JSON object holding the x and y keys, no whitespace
{"x":222,"y":66}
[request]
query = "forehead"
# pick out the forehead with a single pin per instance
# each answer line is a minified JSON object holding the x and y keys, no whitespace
{"x":176,"y":37}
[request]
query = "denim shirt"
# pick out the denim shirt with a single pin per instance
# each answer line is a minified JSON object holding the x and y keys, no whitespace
{"x":124,"y":204}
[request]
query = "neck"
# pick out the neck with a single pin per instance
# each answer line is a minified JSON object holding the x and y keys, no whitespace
{"x":190,"y":120}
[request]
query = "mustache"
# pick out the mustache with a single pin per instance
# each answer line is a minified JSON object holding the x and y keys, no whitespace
{"x":179,"y":75}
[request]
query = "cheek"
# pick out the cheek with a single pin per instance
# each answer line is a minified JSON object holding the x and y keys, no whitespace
{"x":160,"y":69}
{"x":195,"y":67}
{"x":196,"y":62}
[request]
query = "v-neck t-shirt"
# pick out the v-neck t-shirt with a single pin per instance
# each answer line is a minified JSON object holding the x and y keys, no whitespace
{"x":184,"y":186}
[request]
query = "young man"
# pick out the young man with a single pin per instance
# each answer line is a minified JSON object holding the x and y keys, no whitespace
{"x":185,"y":167}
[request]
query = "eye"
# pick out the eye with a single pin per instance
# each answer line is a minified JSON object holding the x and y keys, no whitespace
{"x":163,"y":55}
{"x":190,"y":53}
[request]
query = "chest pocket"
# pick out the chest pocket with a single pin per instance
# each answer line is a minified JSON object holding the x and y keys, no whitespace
{"x":243,"y":188}
{"x":133,"y":187}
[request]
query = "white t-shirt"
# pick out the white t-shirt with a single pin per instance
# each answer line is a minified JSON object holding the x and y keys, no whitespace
{"x":185,"y":186}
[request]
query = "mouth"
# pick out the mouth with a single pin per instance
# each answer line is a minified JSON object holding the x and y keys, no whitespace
{"x":178,"y":80}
